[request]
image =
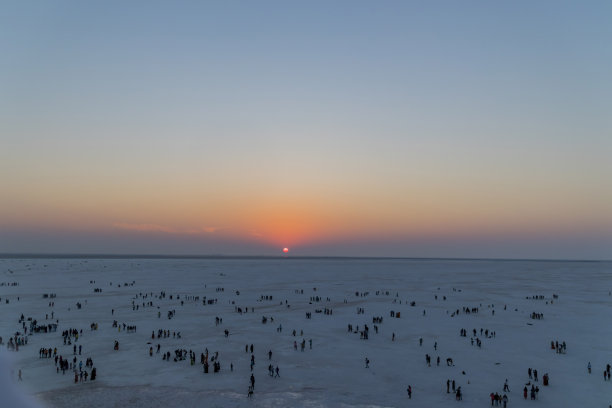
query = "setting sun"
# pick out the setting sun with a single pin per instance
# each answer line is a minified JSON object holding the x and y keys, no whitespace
{"x":285,"y":250}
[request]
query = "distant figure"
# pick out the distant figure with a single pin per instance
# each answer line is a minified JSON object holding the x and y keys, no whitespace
{"x":409,"y":389}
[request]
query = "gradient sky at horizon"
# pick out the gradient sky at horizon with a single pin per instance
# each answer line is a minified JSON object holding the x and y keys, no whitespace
{"x":443,"y":128}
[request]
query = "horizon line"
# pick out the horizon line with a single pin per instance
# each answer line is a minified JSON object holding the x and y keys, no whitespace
{"x":64,"y":255}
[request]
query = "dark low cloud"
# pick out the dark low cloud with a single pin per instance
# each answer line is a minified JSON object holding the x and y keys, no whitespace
{"x":161,"y":242}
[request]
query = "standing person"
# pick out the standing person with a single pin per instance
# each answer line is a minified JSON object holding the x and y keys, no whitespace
{"x":525,"y":392}
{"x":409,"y":389}
{"x":447,"y":386}
{"x":20,"y":379}
{"x":589,"y":367}
{"x":505,"y":400}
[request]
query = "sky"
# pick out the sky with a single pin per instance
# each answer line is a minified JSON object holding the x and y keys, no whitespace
{"x":344,"y":128}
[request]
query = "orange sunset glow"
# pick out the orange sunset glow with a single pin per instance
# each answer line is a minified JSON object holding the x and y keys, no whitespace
{"x":361,"y":139}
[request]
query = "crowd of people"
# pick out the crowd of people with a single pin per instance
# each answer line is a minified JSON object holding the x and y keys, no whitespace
{"x":72,"y":338}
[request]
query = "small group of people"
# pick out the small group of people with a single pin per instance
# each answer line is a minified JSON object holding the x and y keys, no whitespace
{"x":80,"y":374}
{"x":498,"y":399}
{"x":16,"y":341}
{"x":162,"y":334}
{"x":302,"y":344}
{"x":533,"y":374}
{"x":533,"y":393}
{"x":251,"y":386}
{"x":273,"y":372}
{"x":450,"y":384}
{"x":561,"y":348}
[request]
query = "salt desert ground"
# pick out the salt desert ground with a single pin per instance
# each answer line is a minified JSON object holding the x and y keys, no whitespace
{"x":429,"y":296}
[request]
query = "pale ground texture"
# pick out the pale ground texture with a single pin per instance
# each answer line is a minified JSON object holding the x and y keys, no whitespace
{"x":332,"y":373}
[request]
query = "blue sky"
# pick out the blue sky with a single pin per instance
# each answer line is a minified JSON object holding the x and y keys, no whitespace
{"x":389,"y":128}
